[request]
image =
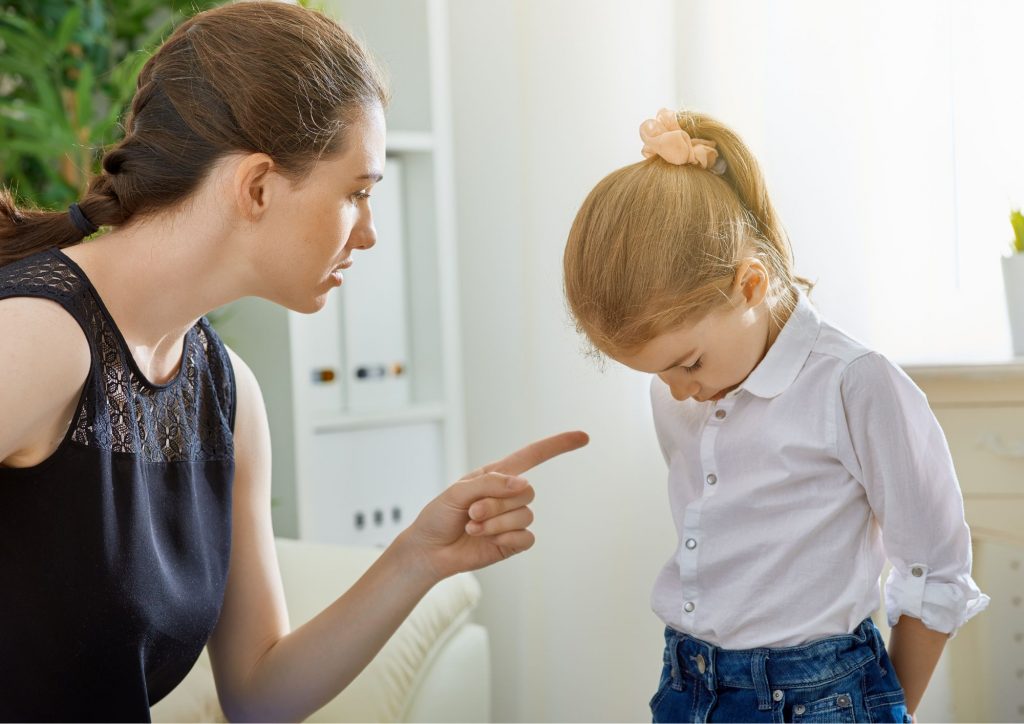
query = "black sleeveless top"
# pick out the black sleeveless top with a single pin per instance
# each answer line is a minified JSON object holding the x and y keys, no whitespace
{"x":114,"y":551}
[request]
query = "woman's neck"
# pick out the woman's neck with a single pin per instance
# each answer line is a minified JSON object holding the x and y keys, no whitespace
{"x":156,"y":280}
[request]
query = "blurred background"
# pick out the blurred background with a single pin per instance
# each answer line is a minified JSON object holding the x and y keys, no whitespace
{"x":890,"y":136}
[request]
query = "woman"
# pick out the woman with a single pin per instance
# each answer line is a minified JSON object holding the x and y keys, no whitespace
{"x":135,"y":453}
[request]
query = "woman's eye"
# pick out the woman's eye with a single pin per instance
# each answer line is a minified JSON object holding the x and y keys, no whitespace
{"x":360,"y":195}
{"x":694,"y":367}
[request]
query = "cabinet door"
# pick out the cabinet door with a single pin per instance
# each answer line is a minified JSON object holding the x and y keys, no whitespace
{"x":986,"y":659}
{"x":987,"y":445}
{"x":366,"y":486}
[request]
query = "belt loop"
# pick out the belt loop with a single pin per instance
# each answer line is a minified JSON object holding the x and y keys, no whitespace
{"x":874,"y":637}
{"x":677,"y":676}
{"x":758,"y":672}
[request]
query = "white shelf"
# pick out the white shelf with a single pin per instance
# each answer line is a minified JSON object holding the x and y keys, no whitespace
{"x":407,"y":416}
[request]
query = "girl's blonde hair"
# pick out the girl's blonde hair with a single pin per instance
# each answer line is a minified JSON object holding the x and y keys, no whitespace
{"x":655,"y":245}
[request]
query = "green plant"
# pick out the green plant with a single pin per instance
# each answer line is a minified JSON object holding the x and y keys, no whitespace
{"x":1017,"y":222}
{"x":67,"y":73}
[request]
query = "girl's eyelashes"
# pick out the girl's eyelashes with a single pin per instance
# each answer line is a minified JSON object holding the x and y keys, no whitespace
{"x":360,"y":195}
{"x":695,"y":366}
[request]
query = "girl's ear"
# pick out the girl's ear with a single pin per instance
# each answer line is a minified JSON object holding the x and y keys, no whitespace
{"x":751,"y":283}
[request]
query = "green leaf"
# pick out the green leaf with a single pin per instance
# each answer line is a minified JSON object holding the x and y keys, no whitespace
{"x":1017,"y":221}
{"x":83,"y":95}
{"x":67,"y":29}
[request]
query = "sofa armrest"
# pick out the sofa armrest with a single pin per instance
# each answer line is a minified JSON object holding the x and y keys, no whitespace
{"x":413,"y":660}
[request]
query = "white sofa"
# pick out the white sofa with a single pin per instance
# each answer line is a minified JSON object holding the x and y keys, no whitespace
{"x":435,"y":668}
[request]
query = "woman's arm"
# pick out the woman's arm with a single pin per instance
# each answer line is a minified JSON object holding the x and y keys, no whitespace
{"x":914,"y":651}
{"x":265,"y":672}
{"x":44,"y":360}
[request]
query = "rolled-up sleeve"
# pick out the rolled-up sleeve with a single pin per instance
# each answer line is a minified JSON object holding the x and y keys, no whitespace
{"x":889,"y":440}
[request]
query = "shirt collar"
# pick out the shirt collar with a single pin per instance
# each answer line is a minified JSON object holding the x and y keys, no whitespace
{"x":776,"y":372}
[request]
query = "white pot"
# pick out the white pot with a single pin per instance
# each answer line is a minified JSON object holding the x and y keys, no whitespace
{"x":1013,"y":280}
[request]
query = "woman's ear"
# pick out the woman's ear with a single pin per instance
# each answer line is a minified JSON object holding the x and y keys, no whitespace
{"x":751,"y":283}
{"x":251,"y":185}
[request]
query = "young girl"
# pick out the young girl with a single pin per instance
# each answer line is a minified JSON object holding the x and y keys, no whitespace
{"x":798,"y":459}
{"x":134,"y":446}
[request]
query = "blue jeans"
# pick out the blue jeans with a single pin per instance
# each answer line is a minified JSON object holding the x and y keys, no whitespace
{"x":846,"y":678}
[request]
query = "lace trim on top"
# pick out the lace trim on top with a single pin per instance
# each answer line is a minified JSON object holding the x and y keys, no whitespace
{"x":188,"y":419}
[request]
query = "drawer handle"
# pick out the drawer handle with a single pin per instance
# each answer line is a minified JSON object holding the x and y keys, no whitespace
{"x":995,"y":444}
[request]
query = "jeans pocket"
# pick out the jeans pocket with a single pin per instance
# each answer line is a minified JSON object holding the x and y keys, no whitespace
{"x":836,"y":708}
{"x":888,"y":707}
{"x":663,"y":686}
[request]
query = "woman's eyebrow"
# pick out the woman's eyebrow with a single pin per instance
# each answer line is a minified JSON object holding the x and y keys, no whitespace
{"x":375,"y":176}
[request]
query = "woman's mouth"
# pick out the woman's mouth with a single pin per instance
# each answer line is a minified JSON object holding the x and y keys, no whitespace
{"x":336,"y":276}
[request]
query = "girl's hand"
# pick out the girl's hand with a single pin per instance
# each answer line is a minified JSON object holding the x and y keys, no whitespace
{"x":482,"y":518}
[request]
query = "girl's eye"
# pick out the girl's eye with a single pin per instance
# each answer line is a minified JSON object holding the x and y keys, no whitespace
{"x":360,"y":195}
{"x":695,"y":366}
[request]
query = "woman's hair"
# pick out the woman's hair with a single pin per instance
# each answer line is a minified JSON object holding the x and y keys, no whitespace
{"x":656,"y":245}
{"x":249,"y":77}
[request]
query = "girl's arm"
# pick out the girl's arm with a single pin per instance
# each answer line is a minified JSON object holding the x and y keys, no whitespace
{"x":889,"y":440}
{"x":264,"y":671}
{"x":914,"y":650}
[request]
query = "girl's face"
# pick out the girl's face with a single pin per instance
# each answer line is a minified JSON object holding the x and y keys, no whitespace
{"x":712,"y":357}
{"x":307,"y":238}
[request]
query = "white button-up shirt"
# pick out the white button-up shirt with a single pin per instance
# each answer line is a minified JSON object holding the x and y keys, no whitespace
{"x":789,"y":493}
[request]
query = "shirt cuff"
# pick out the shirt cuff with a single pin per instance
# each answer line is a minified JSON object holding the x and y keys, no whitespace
{"x":942,"y":606}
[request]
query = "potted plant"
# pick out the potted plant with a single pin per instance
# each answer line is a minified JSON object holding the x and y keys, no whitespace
{"x":1013,"y":280}
{"x":67,"y":71}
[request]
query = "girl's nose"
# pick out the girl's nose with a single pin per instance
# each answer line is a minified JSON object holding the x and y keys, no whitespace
{"x":685,"y":391}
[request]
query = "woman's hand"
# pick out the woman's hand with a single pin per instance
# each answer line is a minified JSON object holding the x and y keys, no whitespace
{"x":482,"y":518}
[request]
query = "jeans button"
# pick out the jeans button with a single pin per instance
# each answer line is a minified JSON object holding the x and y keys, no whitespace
{"x":843,"y":700}
{"x":777,"y":695}
{"x":702,"y":665}
{"x":799,"y":709}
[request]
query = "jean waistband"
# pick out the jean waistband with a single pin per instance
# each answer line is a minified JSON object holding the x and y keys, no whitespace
{"x":769,"y":668}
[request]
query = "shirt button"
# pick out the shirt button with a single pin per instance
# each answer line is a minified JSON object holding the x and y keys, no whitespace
{"x":777,"y":695}
{"x":689,"y":607}
{"x":691,"y":543}
{"x":712,"y":479}
{"x":720,"y":414}
{"x":799,"y":709}
{"x":917,"y":571}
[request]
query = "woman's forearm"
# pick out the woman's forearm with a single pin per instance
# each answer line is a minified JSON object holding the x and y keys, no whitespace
{"x":915,"y":650}
{"x":308,"y":667}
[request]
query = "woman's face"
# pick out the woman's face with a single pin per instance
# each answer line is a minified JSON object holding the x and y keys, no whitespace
{"x":309,"y":232}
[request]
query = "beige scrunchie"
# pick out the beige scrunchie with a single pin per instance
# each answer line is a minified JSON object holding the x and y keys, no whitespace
{"x":663,"y":136}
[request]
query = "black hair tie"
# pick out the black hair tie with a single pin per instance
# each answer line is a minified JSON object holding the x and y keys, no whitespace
{"x":80,"y":220}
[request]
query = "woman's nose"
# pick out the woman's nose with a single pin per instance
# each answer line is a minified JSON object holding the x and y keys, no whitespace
{"x":364,"y":234}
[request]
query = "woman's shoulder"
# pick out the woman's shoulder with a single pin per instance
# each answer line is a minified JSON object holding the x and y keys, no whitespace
{"x":44,"y":365}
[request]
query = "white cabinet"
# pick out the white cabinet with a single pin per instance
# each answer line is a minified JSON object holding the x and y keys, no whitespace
{"x":364,"y":397}
{"x":981,"y":410}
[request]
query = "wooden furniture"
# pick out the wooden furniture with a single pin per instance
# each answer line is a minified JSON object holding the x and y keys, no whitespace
{"x":981,"y":410}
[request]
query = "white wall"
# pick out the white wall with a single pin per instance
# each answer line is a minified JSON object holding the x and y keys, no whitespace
{"x":547,"y":100}
{"x":889,"y":134}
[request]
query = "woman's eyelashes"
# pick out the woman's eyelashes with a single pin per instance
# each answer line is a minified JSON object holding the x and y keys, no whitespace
{"x":360,"y":195}
{"x":695,"y":366}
